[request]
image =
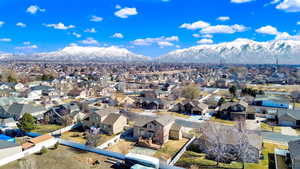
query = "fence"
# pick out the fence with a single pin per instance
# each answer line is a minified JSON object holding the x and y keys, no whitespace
{"x":110,"y":142}
{"x":180,"y":152}
{"x":27,"y":152}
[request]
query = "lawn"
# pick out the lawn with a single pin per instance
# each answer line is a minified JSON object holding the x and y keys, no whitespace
{"x":267,"y":127}
{"x":170,"y":148}
{"x":172,"y":114}
{"x":79,"y":137}
{"x":226,"y":122}
{"x":122,"y":146}
{"x":43,"y":129}
{"x":190,"y":158}
{"x":63,"y":158}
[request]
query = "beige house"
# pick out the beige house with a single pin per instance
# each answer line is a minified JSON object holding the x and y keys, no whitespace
{"x":108,"y":120}
{"x":114,"y":124}
{"x":157,"y":129}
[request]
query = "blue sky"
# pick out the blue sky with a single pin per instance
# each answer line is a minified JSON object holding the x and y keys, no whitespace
{"x":148,"y":27}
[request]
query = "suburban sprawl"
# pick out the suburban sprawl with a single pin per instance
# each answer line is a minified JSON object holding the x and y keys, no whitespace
{"x":56,"y":115}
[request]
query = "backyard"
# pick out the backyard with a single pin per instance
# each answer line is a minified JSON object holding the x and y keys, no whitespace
{"x":43,"y":129}
{"x":190,"y":158}
{"x":79,"y":137}
{"x":170,"y":148}
{"x":63,"y":157}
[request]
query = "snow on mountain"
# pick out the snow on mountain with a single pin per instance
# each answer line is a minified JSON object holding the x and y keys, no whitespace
{"x":239,"y":51}
{"x":80,"y":53}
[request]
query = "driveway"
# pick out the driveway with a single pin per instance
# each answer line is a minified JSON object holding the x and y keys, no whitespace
{"x":252,"y":125}
{"x":288,"y":131}
{"x":278,"y":137}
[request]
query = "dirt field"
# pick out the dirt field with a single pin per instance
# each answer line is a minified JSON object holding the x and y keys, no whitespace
{"x":122,"y":146}
{"x":63,"y":158}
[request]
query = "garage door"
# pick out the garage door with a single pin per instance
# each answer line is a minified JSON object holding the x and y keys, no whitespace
{"x":287,"y":123}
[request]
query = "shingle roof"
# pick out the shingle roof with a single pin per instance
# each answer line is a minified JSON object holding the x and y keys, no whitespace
{"x":20,"y":109}
{"x":7,"y":144}
{"x":294,"y":148}
{"x":111,"y":118}
{"x":293,"y":113}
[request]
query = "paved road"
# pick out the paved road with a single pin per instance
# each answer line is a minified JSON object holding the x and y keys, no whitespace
{"x":278,"y":137}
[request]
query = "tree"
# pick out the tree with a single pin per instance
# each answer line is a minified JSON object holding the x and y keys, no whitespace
{"x":92,"y":137}
{"x":56,"y":145}
{"x":221,"y":101}
{"x":190,"y":92}
{"x":44,"y":150}
{"x":295,"y":95}
{"x":27,"y":123}
{"x":232,"y":90}
{"x":213,"y":136}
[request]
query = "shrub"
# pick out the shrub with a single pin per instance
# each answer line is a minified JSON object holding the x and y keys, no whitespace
{"x":44,"y":150}
{"x":56,"y":145}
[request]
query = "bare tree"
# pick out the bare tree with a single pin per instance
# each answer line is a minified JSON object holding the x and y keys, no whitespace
{"x":295,"y":95}
{"x":213,"y":136}
{"x":92,"y":137}
{"x":27,"y":164}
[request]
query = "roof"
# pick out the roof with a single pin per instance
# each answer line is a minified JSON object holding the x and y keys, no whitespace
{"x":111,"y":118}
{"x":176,"y":127}
{"x":292,"y":113}
{"x":165,"y":120}
{"x":7,"y":144}
{"x":104,"y":112}
{"x":294,"y":148}
{"x":20,"y":109}
{"x":40,"y":139}
{"x":143,"y":120}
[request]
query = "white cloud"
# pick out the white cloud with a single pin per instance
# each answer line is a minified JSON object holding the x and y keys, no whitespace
{"x":298,"y":23}
{"x":89,"y":41}
{"x":20,"y":24}
{"x":270,"y":30}
{"x":125,"y":12}
{"x":240,"y":1}
{"x":202,"y":36}
{"x":289,"y":5}
{"x":59,"y":26}
{"x":26,"y":47}
{"x":160,"y":41}
{"x":118,"y":6}
{"x":95,"y":18}
{"x":77,"y":35}
{"x":223,"y":18}
{"x":195,"y":25}
{"x":90,"y":30}
{"x":1,"y":23}
{"x":33,"y":9}
{"x":205,"y":41}
{"x":163,"y":44}
{"x":118,"y":35}
{"x":5,"y":40}
{"x":27,"y":43}
{"x":226,"y":29}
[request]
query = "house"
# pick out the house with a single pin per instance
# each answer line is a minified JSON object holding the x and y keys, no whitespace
{"x":108,"y":120}
{"x":8,"y":122}
{"x":62,"y":113}
{"x":17,"y":110}
{"x":157,"y":129}
{"x":9,"y":148}
{"x":235,"y":110}
{"x":190,"y":107}
{"x":150,"y":103}
{"x":294,"y":149}
{"x":221,"y":83}
{"x":288,"y":117}
{"x":113,"y":124}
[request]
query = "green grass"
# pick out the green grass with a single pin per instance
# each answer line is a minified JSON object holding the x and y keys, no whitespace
{"x":267,"y":127}
{"x":43,"y":129}
{"x":190,"y":158}
{"x":170,"y":148}
{"x":226,"y":122}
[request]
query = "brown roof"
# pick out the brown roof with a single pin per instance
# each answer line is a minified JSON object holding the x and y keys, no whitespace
{"x":40,"y":139}
{"x":111,"y":118}
{"x":27,"y":145}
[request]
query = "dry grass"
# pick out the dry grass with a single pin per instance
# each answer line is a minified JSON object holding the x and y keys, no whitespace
{"x":267,"y":127}
{"x":43,"y":129}
{"x":122,"y":146}
{"x":170,"y":148}
{"x":226,"y":122}
{"x":79,"y":137}
{"x":64,"y":157}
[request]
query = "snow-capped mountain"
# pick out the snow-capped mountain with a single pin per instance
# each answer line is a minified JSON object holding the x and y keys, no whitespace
{"x":80,"y":53}
{"x":239,"y":51}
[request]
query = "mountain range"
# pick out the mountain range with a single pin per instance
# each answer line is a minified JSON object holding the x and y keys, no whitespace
{"x":238,"y":51}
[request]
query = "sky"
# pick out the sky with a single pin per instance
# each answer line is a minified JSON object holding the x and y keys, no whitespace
{"x":147,"y":27}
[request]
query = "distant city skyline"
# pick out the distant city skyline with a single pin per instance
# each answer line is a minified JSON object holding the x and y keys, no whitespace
{"x":146,"y":27}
